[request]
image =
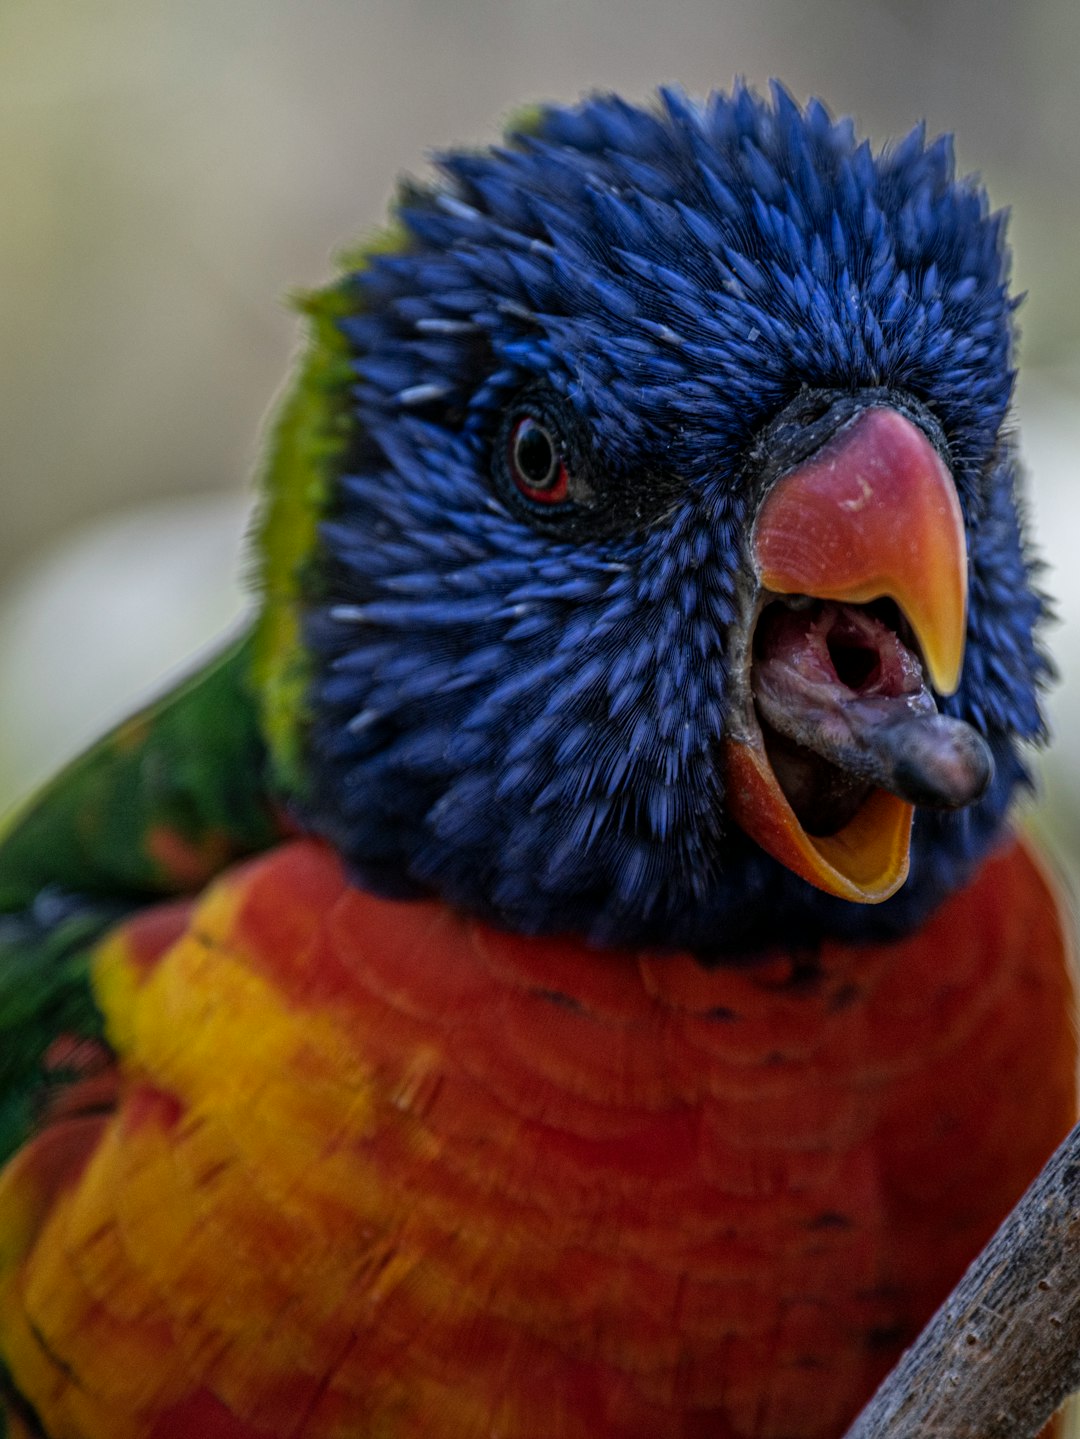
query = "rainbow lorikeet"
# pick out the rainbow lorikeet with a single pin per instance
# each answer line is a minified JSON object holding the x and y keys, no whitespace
{"x":566,"y":970}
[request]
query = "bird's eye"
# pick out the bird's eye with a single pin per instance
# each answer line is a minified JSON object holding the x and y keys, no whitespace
{"x":536,"y":464}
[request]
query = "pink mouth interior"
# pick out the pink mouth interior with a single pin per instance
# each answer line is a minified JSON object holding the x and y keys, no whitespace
{"x":838,"y":650}
{"x":844,"y":708}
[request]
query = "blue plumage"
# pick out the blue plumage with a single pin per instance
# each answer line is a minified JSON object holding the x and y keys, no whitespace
{"x":522,"y":711}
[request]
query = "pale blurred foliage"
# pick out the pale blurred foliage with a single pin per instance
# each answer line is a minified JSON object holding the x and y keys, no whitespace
{"x":123,"y":605}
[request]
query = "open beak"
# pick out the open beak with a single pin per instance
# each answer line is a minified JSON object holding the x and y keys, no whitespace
{"x":871,"y":518}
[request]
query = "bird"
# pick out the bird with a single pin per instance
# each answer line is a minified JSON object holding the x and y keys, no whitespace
{"x":567,"y":967}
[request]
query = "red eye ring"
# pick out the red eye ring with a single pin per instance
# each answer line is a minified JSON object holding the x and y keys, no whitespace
{"x":537,"y":468}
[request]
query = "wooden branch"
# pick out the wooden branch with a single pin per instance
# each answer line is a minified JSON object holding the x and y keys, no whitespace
{"x":1003,"y":1351}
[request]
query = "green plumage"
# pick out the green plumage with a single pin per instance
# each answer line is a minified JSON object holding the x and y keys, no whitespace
{"x":44,"y":992}
{"x":155,"y":808}
{"x":158,"y":806}
{"x":192,"y":782}
{"x":307,"y":443}
{"x":187,"y":785}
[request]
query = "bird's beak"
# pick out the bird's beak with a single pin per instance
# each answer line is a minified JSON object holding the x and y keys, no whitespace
{"x":872,"y":515}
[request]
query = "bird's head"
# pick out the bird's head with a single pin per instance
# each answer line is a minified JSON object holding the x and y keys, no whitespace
{"x":659,"y":550}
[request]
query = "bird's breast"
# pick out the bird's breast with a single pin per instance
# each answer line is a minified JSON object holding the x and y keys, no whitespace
{"x":377,"y":1169}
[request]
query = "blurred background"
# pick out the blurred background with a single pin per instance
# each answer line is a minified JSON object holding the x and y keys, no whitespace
{"x":171,"y":172}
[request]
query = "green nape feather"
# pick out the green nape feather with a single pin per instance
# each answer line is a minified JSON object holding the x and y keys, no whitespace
{"x":307,"y":443}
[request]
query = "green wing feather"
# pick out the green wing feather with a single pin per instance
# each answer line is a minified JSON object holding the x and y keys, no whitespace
{"x":175,"y":793}
{"x":155,"y":808}
{"x":158,"y":806}
{"x":190,"y":783}
{"x":44,"y":993}
{"x":194,"y":781}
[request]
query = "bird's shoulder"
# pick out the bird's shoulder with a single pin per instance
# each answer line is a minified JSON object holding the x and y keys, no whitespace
{"x":155,"y":809}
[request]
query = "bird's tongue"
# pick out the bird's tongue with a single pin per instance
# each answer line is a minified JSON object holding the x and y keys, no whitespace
{"x":845,"y":709}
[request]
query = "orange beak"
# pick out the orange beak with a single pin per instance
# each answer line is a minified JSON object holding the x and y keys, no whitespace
{"x":873,"y":514}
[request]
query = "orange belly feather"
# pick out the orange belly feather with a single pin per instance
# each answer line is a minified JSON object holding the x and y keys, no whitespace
{"x":373,"y":1169}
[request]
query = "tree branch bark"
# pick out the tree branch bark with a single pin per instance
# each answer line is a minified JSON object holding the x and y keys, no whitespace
{"x":1003,"y":1351}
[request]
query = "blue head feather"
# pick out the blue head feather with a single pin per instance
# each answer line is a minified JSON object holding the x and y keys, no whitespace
{"x":527,"y":720}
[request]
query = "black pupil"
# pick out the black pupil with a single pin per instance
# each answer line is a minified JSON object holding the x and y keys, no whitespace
{"x":534,"y":455}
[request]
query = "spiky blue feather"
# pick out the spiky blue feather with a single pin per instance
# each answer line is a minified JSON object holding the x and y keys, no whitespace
{"x":529,"y":725}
